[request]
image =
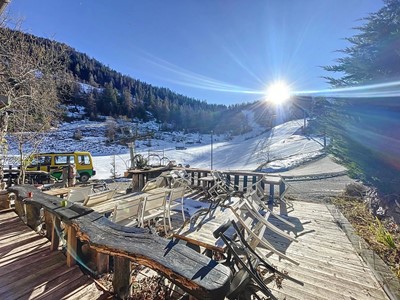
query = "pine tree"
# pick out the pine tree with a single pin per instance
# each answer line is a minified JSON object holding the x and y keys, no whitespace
{"x":360,"y":127}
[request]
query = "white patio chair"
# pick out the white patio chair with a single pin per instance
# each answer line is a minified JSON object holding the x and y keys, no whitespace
{"x":154,"y":205}
{"x":98,"y":198}
{"x":79,"y":194}
{"x":176,"y":198}
{"x":127,"y":212}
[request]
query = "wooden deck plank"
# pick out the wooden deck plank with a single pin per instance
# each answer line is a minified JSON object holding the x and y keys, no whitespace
{"x":60,"y":279}
{"x":79,"y":285}
{"x":334,"y":284}
{"x":349,"y":273}
{"x":14,"y":232}
{"x":21,"y":286}
{"x":329,"y":265}
{"x":10,"y":258}
{"x":26,"y":262}
{"x":29,"y":270}
{"x":7,"y":217}
{"x":13,"y":236}
{"x":21,"y":245}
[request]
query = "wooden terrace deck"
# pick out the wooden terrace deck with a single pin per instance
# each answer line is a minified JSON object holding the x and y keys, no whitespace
{"x":330,"y":267}
{"x":29,"y":270}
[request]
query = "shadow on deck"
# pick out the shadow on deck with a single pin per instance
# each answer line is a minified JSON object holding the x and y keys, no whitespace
{"x":29,"y":270}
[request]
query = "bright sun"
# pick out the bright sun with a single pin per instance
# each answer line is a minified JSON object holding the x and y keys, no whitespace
{"x":278,"y":92}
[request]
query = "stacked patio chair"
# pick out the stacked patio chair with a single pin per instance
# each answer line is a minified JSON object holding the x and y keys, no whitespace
{"x":155,"y":183}
{"x":254,"y":224}
{"x":256,"y":200}
{"x":280,"y":200}
{"x":246,"y":264}
{"x":180,"y":178}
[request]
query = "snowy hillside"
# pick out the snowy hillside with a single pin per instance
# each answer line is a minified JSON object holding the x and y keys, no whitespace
{"x":277,"y":150}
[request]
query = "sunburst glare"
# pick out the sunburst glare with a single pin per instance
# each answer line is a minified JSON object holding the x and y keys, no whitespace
{"x":278,"y":92}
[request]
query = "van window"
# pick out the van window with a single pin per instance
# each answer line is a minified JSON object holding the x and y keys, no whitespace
{"x":41,"y":160}
{"x":84,"y":160}
{"x":64,"y":159}
{"x":61,"y":160}
{"x":44,"y":160}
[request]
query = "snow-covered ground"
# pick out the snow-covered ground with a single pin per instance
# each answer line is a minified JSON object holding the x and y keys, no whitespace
{"x":280,"y":149}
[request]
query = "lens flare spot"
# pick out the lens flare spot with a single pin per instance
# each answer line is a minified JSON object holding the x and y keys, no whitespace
{"x":278,"y":92}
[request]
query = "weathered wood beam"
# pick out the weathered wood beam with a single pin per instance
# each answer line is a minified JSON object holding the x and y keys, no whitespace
{"x":193,"y":272}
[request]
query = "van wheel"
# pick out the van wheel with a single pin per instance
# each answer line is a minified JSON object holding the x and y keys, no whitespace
{"x":84,"y":177}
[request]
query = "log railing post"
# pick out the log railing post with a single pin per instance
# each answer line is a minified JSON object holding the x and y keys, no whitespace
{"x":271,"y":196}
{"x":55,"y":229}
{"x":245,"y":179}
{"x":141,"y":181}
{"x":32,"y":214}
{"x":19,"y":208}
{"x":122,"y":277}
{"x":48,"y":221}
{"x":135,"y":183}
{"x":4,"y":200}
{"x":72,"y":245}
{"x":102,"y":263}
{"x":282,"y":206}
{"x":236,"y":183}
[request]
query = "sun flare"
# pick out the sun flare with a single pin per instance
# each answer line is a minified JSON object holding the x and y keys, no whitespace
{"x":278,"y":92}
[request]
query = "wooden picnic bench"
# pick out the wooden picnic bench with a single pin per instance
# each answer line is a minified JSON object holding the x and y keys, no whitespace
{"x":196,"y":274}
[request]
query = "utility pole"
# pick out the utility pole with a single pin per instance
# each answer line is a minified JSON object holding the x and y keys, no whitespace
{"x":305,"y":113}
{"x":212,"y":149}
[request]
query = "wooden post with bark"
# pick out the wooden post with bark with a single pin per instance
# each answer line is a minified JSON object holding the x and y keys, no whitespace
{"x":122,"y":277}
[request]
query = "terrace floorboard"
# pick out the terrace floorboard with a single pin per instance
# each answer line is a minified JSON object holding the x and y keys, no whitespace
{"x":29,"y":270}
{"x":330,"y":267}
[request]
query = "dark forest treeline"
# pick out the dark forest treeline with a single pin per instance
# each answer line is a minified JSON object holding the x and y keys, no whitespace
{"x":103,"y":91}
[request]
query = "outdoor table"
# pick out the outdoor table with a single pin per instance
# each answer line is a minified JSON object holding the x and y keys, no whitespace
{"x":58,"y":192}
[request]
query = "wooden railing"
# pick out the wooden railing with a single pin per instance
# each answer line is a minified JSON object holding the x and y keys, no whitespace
{"x":274,"y":186}
{"x":195,"y":273}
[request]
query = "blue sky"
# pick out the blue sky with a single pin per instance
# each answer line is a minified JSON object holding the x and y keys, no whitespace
{"x":220,"y":51}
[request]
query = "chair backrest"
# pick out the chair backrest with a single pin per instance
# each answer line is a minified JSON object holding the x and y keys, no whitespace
{"x":253,"y":198}
{"x":154,"y":201}
{"x":180,"y":177}
{"x":79,"y":194}
{"x":180,"y":182}
{"x":99,"y":197}
{"x":155,"y":183}
{"x":177,"y":193}
{"x":128,"y":209}
{"x":254,"y":228}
